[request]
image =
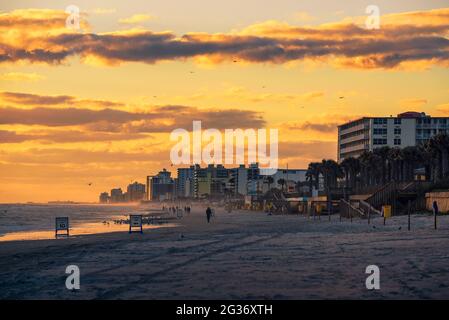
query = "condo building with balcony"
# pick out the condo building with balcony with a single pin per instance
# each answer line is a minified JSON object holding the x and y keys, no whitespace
{"x":369,"y":133}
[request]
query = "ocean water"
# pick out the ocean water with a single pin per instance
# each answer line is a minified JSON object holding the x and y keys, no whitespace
{"x":37,"y":221}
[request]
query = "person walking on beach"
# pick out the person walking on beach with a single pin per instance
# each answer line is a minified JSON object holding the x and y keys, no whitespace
{"x":208,"y":214}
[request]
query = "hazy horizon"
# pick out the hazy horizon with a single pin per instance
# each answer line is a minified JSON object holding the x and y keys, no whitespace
{"x":97,"y":105}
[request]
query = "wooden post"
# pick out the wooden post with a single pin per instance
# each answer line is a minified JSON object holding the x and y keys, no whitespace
{"x":435,"y":218}
{"x":369,"y":215}
{"x":313,"y":210}
{"x":408,"y":212}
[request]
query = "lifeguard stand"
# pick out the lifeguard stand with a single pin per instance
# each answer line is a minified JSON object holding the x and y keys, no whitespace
{"x":135,"y":221}
{"x":61,"y":224}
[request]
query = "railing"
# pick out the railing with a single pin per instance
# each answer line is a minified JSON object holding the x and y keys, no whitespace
{"x":394,"y":190}
{"x":347,"y":210}
{"x":368,"y":209}
{"x":383,"y":195}
{"x":416,"y":186}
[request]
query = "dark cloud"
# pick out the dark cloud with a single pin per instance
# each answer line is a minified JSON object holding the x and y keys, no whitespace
{"x":66,"y":136}
{"x":79,"y":156}
{"x":319,"y":127}
{"x":39,"y":100}
{"x":35,"y":99}
{"x":12,"y":137}
{"x":388,"y":47}
{"x":66,"y":116}
{"x":160,"y":119}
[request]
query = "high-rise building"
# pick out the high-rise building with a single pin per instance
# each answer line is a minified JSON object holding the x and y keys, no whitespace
{"x":136,"y":192}
{"x":369,"y":133}
{"x":239,"y":180}
{"x":185,"y":176}
{"x":117,"y":195}
{"x":104,"y":197}
{"x":161,"y":186}
{"x":210,"y":181}
{"x":217,"y":181}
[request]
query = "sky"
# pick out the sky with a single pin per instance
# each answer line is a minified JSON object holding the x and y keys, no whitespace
{"x":83,"y":111}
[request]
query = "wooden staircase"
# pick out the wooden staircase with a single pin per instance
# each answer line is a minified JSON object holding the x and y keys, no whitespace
{"x":399,"y":195}
{"x":347,"y":210}
{"x":278,"y":200}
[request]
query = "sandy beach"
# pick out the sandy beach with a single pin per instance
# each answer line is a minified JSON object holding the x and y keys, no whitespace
{"x":240,"y":255}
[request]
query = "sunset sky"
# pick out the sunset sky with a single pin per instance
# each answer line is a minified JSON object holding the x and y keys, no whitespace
{"x":97,"y":105}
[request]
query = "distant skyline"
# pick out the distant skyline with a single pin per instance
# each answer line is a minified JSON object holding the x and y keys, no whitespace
{"x":97,"y":105}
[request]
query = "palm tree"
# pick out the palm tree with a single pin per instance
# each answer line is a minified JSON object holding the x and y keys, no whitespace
{"x":411,"y":159}
{"x":365,"y":168}
{"x":441,"y":142}
{"x":313,"y":175}
{"x":382,"y":154}
{"x":427,"y":159}
{"x":395,"y":157}
{"x":331,"y":172}
{"x":350,"y":167}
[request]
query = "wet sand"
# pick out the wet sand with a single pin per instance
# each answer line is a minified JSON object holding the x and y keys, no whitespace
{"x":240,"y":255}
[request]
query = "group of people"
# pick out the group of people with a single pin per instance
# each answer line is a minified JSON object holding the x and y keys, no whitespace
{"x":176,"y":209}
{"x":187,"y":209}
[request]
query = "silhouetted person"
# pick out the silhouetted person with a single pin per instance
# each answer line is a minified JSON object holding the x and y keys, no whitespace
{"x":208,"y":214}
{"x":435,"y":208}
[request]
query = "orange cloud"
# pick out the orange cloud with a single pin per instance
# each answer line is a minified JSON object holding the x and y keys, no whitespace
{"x":136,"y":18}
{"x":29,"y":99}
{"x":412,"y":103}
{"x":413,"y":38}
{"x":21,"y":76}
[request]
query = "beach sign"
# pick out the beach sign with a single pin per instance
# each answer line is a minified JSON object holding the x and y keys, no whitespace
{"x":387,"y":211}
{"x":135,"y":221}
{"x":61,"y":224}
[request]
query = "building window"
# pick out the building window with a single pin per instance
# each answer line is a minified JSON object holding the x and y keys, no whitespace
{"x":397,"y":142}
{"x":379,"y":141}
{"x":397,"y":130}
{"x":379,"y":131}
{"x":380,"y":121}
{"x":397,"y":121}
